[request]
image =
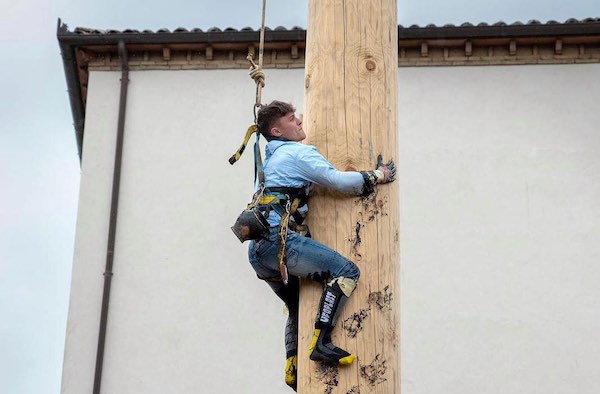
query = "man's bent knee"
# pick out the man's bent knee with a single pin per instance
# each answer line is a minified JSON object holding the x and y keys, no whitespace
{"x":351,"y":271}
{"x":347,"y":285}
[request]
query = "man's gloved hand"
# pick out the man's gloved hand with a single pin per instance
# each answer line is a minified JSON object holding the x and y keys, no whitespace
{"x":386,"y":173}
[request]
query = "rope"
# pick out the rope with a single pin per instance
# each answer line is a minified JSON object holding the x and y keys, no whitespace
{"x":256,"y":70}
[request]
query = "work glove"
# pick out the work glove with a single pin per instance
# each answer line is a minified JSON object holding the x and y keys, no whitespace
{"x":384,"y":173}
{"x":388,"y":170}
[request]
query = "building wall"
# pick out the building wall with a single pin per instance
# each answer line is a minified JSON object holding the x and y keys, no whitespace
{"x":499,"y":211}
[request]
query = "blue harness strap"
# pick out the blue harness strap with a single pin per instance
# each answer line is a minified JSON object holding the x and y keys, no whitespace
{"x":259,"y":171}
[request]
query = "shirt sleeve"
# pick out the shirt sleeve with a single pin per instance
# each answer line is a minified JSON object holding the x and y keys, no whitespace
{"x":313,"y":167}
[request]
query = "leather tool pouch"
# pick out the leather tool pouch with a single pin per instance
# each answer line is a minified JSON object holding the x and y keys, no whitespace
{"x":251,"y":224}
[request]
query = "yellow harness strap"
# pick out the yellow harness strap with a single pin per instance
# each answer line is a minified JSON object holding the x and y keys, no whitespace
{"x":266,"y":200}
{"x":236,"y":156}
{"x":282,"y":233}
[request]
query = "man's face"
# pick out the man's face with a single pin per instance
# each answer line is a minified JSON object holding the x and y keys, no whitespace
{"x":289,"y":127}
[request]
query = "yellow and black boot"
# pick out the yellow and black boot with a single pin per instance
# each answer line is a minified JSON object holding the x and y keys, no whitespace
{"x":291,"y":369}
{"x":332,"y":301}
{"x":289,"y":294}
{"x":291,"y":350}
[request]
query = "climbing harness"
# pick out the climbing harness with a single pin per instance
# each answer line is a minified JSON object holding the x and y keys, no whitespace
{"x":252,"y":224}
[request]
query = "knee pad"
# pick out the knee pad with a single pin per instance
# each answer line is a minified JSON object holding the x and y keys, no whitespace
{"x":347,"y":285}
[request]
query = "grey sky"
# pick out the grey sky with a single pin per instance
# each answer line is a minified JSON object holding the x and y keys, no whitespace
{"x":39,"y":168}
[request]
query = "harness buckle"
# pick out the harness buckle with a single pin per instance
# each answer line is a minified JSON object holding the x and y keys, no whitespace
{"x":288,"y":204}
{"x":257,"y":196}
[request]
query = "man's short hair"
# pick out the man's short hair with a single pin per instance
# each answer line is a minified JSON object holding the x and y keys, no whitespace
{"x":269,"y":114}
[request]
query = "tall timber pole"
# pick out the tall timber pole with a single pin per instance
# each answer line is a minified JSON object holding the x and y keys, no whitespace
{"x":350,"y":116}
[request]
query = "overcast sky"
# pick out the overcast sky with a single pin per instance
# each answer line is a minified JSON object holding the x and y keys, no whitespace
{"x":39,"y":167}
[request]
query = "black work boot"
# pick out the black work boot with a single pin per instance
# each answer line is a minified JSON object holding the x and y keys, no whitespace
{"x":321,"y":348}
{"x":291,"y":347}
{"x":289,"y":294}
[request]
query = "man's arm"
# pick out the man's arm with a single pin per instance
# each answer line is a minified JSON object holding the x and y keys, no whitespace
{"x":315,"y":168}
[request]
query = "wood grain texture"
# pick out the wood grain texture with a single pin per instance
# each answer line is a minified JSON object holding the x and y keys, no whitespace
{"x":350,"y":116}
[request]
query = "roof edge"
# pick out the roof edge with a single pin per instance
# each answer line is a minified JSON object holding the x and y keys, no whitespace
{"x":67,"y":52}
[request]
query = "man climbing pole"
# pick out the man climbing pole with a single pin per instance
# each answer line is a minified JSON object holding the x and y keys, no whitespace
{"x":283,"y":251}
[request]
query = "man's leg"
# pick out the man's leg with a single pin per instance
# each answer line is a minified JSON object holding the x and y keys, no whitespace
{"x":290,"y":296}
{"x":308,"y":258}
{"x":334,"y":297}
{"x":263,"y":257}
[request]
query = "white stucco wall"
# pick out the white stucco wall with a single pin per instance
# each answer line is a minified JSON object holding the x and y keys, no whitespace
{"x":499,"y":211}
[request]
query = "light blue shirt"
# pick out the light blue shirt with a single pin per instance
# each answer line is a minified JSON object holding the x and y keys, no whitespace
{"x":292,"y":164}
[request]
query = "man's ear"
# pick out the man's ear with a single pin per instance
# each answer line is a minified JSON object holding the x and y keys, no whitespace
{"x":275,"y":132}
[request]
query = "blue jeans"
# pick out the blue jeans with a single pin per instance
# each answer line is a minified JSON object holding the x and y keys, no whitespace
{"x":306,"y":258}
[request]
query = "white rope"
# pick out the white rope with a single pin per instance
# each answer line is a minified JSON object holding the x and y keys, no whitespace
{"x":256,"y":71}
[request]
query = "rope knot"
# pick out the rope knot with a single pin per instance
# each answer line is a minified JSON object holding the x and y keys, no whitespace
{"x":258,"y":75}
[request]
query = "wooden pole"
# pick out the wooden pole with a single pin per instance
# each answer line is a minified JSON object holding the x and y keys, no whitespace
{"x":350,"y":116}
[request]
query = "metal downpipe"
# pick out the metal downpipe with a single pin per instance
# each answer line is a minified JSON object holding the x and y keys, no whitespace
{"x":112,"y":227}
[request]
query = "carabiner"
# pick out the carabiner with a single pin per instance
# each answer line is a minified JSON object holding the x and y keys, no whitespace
{"x":288,"y":204}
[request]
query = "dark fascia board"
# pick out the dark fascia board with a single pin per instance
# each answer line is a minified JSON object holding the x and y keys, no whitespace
{"x":70,"y":38}
{"x":73,"y":88}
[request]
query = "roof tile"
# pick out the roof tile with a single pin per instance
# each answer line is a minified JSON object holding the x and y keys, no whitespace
{"x":90,"y":31}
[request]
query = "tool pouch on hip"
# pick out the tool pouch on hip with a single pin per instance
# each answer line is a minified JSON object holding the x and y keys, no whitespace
{"x":251,"y":224}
